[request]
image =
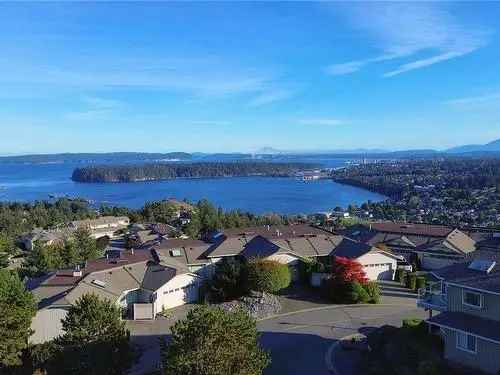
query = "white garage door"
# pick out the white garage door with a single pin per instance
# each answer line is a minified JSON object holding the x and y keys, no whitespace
{"x":180,"y":296}
{"x":379,"y":271}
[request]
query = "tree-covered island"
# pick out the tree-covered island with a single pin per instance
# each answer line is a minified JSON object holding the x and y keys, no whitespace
{"x":165,"y":171}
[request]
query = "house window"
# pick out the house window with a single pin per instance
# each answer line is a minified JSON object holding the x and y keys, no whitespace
{"x":466,"y":342}
{"x":472,"y":299}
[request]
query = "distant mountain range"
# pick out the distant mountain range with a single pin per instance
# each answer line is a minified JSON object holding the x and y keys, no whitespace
{"x":491,"y":149}
{"x":107,"y":157}
{"x":488,"y":147}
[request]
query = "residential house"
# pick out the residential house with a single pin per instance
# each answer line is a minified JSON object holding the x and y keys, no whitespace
{"x":142,"y":282}
{"x":102,"y":226}
{"x":43,"y":236}
{"x":435,"y":246}
{"x":467,"y":297}
{"x":168,"y":272}
{"x":286,"y":244}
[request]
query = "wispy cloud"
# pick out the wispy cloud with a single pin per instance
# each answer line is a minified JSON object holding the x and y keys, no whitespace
{"x":321,"y":121}
{"x":199,"y":77}
{"x":101,"y":103}
{"x":95,"y":108}
{"x":210,"y":122}
{"x":271,"y":96}
{"x":489,"y":101}
{"x":405,"y":30}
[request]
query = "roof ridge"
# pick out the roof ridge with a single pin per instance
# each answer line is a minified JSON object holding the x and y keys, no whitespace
{"x":314,"y":248}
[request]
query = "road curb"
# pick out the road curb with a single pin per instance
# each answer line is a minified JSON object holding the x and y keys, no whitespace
{"x":329,"y":355}
{"x":330,"y":307}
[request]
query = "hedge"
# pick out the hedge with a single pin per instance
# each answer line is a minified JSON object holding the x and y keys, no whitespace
{"x":373,"y":291}
{"x":267,"y":275}
{"x":420,"y":282}
{"x":411,"y":281}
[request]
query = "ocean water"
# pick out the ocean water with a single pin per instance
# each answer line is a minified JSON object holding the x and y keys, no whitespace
{"x":29,"y":182}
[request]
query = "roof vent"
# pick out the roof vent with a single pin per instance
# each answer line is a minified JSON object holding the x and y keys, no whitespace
{"x":176,"y":253}
{"x":482,"y":265}
{"x":99,"y":283}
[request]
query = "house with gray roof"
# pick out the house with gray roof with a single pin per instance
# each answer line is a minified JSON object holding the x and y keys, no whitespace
{"x":466,"y":297}
{"x":435,"y":246}
{"x":141,"y":282}
{"x":286,"y":244}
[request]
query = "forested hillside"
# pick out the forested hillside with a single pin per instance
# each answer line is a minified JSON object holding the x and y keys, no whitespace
{"x":160,"y":171}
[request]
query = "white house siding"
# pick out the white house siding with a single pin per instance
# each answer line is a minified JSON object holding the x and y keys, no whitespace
{"x":47,"y":324}
{"x":180,"y":290}
{"x":291,"y":260}
{"x":378,"y":266}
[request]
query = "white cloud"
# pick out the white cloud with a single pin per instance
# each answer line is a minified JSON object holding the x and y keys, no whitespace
{"x":482,"y":102}
{"x":321,"y":121}
{"x":403,"y":30}
{"x":101,"y":103}
{"x":270,"y":96}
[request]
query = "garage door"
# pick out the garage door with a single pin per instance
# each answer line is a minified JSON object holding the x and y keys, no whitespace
{"x":180,"y":296}
{"x":379,"y":271}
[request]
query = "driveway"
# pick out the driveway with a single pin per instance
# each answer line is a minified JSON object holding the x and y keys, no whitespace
{"x":301,"y":343}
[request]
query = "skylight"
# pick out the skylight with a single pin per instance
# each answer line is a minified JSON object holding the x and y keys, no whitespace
{"x":100,"y":283}
{"x":482,"y":265}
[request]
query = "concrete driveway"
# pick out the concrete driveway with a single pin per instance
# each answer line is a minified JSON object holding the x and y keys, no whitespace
{"x":302,"y":342}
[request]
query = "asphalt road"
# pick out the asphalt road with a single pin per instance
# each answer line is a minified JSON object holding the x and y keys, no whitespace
{"x":299,"y":342}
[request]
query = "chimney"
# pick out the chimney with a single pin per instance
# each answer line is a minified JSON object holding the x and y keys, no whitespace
{"x":77,"y":272}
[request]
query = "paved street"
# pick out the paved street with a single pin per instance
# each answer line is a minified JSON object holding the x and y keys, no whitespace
{"x":299,"y":342}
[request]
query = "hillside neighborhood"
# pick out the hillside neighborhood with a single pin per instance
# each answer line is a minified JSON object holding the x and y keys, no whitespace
{"x":155,"y":273}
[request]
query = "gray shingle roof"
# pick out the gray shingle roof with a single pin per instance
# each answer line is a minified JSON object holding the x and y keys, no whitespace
{"x":486,"y":328}
{"x":461,"y":274}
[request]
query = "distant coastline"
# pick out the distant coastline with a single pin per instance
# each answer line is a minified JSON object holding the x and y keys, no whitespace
{"x":165,"y":171}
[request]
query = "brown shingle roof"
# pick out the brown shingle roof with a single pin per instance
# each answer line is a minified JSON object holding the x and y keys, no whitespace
{"x":410,"y":228}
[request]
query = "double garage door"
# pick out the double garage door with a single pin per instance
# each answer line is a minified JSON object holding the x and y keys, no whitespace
{"x":181,"y":295}
{"x":379,"y":271}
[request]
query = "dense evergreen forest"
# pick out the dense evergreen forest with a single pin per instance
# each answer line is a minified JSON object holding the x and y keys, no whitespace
{"x":106,"y":157}
{"x":164,"y":171}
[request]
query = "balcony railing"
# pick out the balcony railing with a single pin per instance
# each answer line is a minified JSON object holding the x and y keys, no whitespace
{"x":432,"y":298}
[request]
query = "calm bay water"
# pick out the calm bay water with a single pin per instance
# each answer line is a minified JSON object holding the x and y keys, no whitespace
{"x":28,"y":182}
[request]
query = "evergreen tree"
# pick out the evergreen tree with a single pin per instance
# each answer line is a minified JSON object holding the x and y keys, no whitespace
{"x":95,"y":339}
{"x":211,"y":341}
{"x":17,"y":309}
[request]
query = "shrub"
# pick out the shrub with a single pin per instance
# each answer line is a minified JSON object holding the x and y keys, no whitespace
{"x":403,"y":276}
{"x":398,"y":274}
{"x":420,"y":282}
{"x":350,"y":292}
{"x":373,"y":291}
{"x":411,"y":281}
{"x":267,"y":275}
{"x":411,"y":323}
{"x":347,"y":270}
{"x":227,"y":282}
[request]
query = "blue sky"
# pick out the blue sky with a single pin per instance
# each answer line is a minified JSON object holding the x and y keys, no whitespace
{"x":223,"y":77}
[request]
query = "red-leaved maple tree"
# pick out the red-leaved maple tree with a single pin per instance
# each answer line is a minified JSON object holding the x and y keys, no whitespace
{"x":347,"y":270}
